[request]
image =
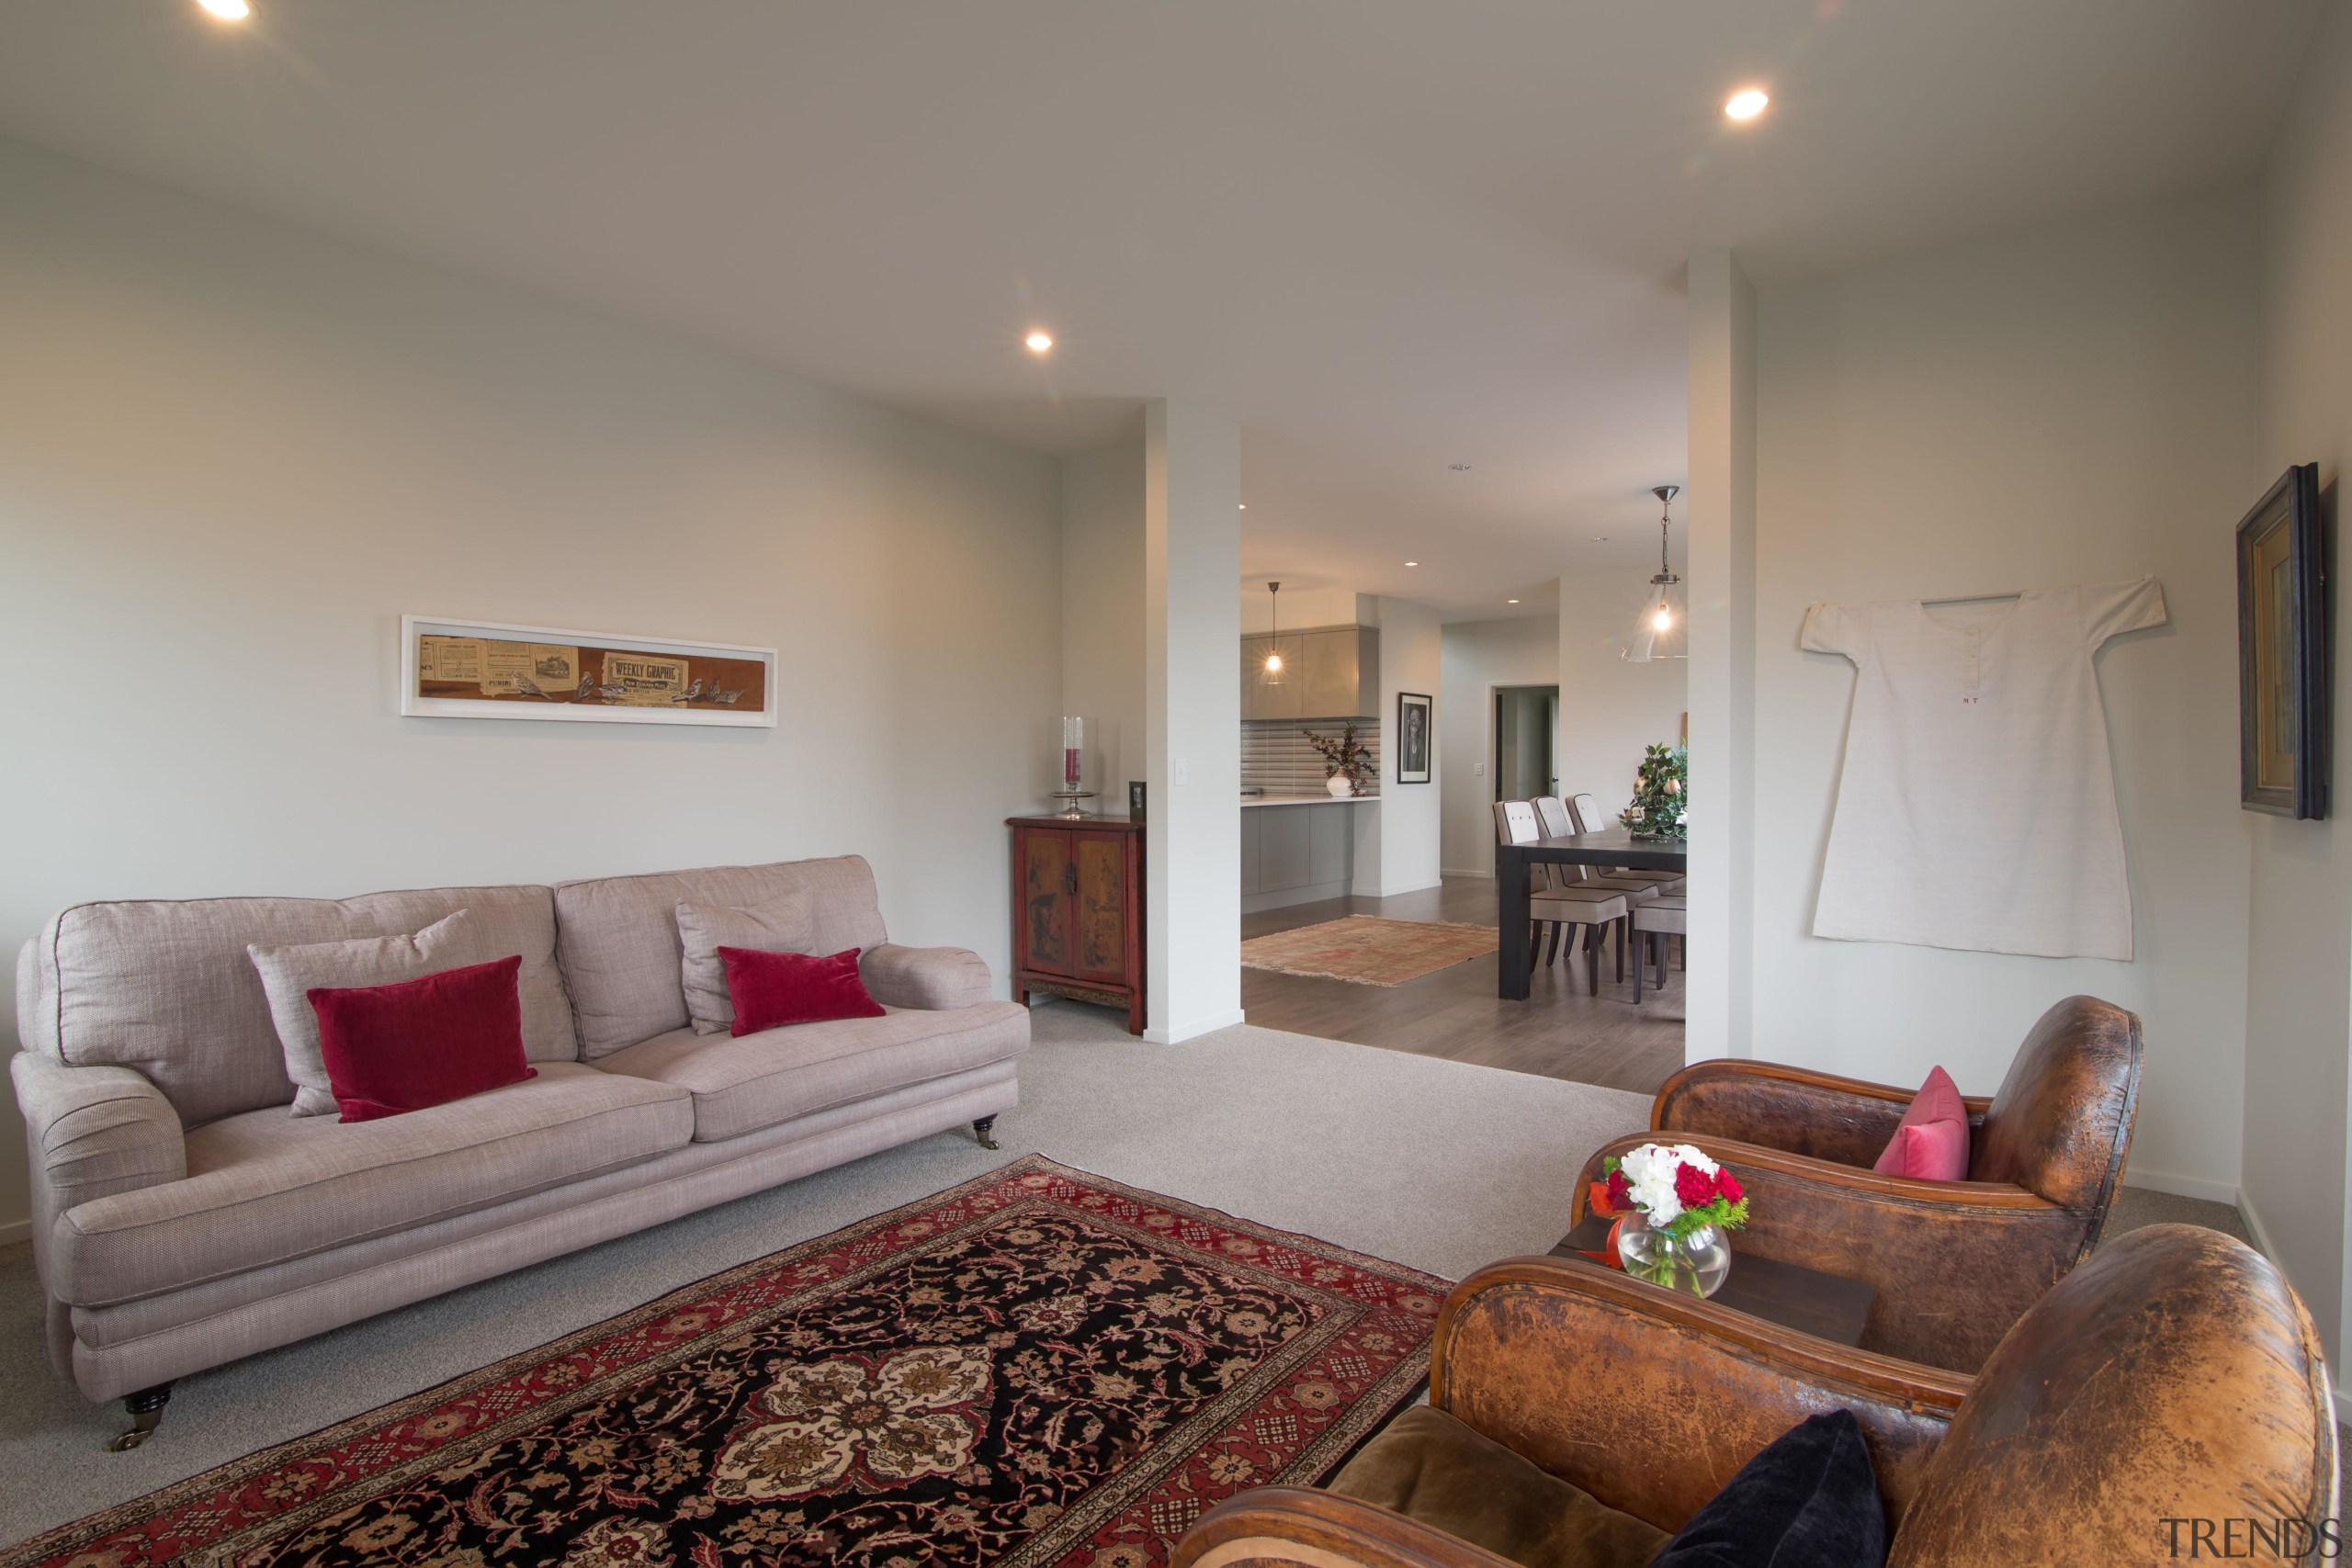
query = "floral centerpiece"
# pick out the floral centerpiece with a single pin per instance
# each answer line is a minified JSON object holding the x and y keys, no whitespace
{"x":1345,"y":753}
{"x":1675,"y":1204}
{"x":1661,"y":793}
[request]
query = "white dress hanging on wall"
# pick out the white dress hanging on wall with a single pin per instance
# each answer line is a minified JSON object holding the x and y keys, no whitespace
{"x":1977,"y":805}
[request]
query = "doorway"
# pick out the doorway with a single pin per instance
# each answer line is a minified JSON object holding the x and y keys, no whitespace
{"x":1527,"y":723}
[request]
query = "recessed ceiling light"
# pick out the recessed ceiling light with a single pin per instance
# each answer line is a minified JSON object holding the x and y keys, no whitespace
{"x":1600,"y":538}
{"x":1038,"y":342}
{"x":226,"y":10}
{"x":1412,"y":563}
{"x":1747,"y":103}
{"x":1511,"y":600}
{"x":1461,"y":468}
{"x":1245,"y":506}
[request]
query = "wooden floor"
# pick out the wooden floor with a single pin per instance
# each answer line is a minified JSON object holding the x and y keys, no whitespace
{"x":1559,"y":1031}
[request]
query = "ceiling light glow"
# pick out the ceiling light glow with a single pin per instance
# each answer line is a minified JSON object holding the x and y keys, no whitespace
{"x":1747,"y":103}
{"x":1038,"y":342}
{"x":1412,"y":563}
{"x":1511,"y":600}
{"x":226,"y":10}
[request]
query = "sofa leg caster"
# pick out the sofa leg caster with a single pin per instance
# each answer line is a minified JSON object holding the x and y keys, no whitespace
{"x":980,"y":1131}
{"x":146,"y":1411}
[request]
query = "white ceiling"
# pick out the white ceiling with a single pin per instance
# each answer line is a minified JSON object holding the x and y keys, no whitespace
{"x":1386,"y":236}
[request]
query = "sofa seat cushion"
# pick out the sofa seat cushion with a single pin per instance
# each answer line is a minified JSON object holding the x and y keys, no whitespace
{"x":1431,"y":1467}
{"x":742,"y":1084}
{"x":265,"y":1186}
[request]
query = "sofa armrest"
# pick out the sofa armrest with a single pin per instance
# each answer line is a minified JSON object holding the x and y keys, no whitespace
{"x":1651,"y":1401}
{"x":936,"y":979}
{"x":1954,"y":1263}
{"x":1289,"y":1525}
{"x":95,"y":1131}
{"x":1819,"y":1114}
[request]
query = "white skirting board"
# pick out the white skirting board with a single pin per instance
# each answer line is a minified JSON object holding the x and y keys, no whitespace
{"x":2182,"y":1186}
{"x":14,"y":1231}
{"x":1193,"y":1029}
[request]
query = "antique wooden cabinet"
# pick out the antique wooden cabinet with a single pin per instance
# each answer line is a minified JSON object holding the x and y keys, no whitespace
{"x":1077,"y":910}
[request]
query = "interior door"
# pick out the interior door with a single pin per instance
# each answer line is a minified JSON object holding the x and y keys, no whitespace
{"x":1101,"y":930}
{"x":1046,"y":893}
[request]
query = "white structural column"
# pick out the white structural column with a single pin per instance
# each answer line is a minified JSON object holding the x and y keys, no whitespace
{"x":1720,"y":504}
{"x":1192,"y":719}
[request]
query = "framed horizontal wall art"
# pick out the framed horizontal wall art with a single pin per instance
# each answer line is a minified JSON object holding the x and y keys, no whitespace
{"x":2282,"y":650}
{"x":484,"y":670}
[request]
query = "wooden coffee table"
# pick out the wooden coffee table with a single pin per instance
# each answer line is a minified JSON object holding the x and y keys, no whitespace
{"x":1827,"y":1306}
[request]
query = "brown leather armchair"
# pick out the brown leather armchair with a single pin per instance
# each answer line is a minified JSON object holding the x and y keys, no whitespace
{"x":1955,"y":1262}
{"x":2173,"y":1378}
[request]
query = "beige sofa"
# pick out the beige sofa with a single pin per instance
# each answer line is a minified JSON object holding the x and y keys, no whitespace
{"x":183,"y":1217}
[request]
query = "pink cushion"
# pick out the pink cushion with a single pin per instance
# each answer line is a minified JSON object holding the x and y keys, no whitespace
{"x":1931,"y":1142}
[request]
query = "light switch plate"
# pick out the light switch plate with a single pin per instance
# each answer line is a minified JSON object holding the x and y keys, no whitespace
{"x":1183,"y":773}
{"x":1477,"y":770}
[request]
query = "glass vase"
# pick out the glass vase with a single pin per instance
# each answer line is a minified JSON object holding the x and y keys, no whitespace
{"x":1694,"y":1265}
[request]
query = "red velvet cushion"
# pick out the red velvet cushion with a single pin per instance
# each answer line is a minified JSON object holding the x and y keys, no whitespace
{"x":1931,"y":1142}
{"x":425,"y":1042}
{"x":772,"y":990}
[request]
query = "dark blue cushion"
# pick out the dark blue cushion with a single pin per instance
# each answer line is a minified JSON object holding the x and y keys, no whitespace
{"x":1810,"y":1500}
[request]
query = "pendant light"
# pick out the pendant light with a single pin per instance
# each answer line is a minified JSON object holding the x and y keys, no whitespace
{"x":1272,"y":672}
{"x":1664,"y":629}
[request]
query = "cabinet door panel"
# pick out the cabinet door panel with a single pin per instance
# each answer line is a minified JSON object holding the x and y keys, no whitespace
{"x":1045,"y":899}
{"x":1250,"y":825}
{"x":1332,"y":846}
{"x":1102,"y":924}
{"x":1283,"y":848}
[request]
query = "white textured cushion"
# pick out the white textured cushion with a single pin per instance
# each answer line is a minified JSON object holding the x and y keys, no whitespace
{"x":288,"y":974}
{"x":781,"y":924}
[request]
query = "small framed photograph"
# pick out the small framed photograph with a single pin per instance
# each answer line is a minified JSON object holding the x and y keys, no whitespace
{"x":2282,"y":650}
{"x":1412,"y":738}
{"x":452,"y":669}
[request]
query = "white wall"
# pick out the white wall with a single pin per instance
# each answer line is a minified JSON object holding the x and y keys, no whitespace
{"x":1102,"y":612}
{"x":1193,"y":718}
{"x":1611,"y":710}
{"x":1397,"y":841}
{"x":232,"y":454}
{"x":2298,"y":982}
{"x":2069,"y":403}
{"x":1475,"y":657}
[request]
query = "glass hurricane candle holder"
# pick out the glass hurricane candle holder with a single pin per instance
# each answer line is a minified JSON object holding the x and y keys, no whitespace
{"x":1073,"y":791}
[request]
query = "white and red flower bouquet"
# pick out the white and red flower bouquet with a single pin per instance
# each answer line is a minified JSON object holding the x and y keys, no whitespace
{"x":1684,"y":1201}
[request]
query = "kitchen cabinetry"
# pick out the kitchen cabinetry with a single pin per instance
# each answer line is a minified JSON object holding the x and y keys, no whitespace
{"x":1078,"y":911}
{"x":1332,"y":672}
{"x":1296,"y":852}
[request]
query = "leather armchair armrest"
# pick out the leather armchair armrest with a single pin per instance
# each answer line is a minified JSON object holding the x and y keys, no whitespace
{"x":1295,"y":1528}
{"x":1650,"y":1400}
{"x":94,"y":1131}
{"x":937,"y":979}
{"x":1954,"y":1263}
{"x":1844,"y":1120}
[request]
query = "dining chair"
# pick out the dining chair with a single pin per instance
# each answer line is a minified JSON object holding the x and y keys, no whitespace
{"x":1586,"y":913}
{"x":1558,"y":821}
{"x":1654,"y":923}
{"x":1585,"y":811}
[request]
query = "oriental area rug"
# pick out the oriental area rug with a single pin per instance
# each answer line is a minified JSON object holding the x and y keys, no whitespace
{"x":1039,"y":1368}
{"x":1369,"y":951}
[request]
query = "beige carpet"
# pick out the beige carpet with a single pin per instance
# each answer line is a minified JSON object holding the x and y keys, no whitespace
{"x":1368,"y":950}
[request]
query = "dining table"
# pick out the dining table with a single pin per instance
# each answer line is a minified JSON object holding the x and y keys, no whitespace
{"x":1610,"y":846}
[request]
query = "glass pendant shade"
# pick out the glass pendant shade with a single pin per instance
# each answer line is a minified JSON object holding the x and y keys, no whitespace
{"x":1663,"y":628}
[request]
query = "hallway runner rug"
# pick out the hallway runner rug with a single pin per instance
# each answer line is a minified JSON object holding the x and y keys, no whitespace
{"x":1369,"y":951}
{"x":1038,"y":1369}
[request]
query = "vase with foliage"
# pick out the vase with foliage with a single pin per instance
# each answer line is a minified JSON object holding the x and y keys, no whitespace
{"x":1661,"y":793}
{"x":1344,"y":755}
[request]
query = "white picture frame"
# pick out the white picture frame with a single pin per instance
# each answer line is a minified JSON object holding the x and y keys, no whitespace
{"x":415,"y":704}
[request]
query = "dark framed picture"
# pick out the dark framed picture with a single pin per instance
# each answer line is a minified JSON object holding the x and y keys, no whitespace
{"x":2282,"y":650}
{"x":1412,"y":738}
